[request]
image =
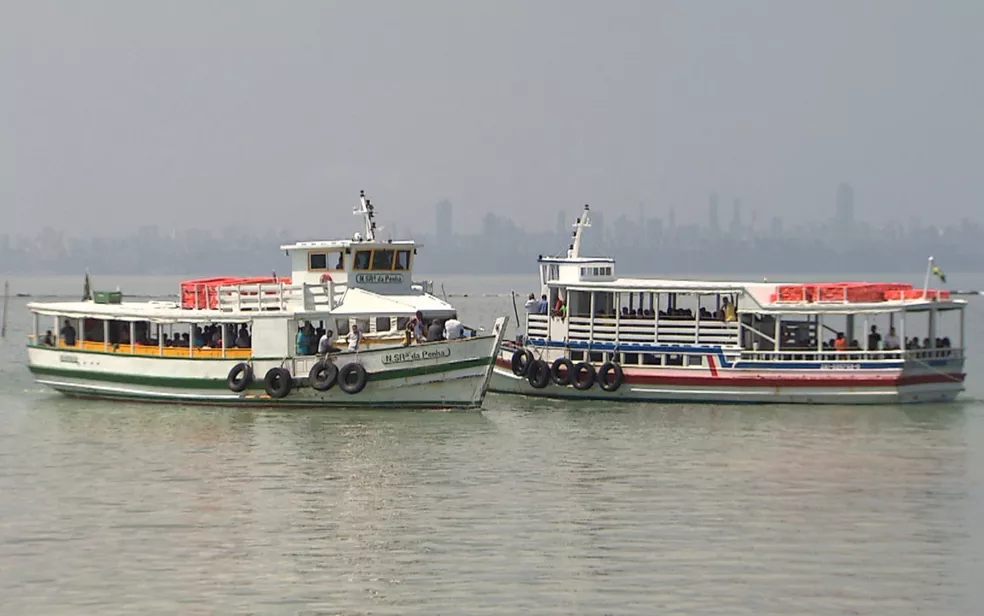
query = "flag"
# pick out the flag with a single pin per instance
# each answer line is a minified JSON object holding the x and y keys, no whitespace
{"x":87,"y":289}
{"x":939,"y":274}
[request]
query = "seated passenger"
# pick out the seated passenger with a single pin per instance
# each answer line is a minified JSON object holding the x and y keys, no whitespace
{"x":48,"y":339}
{"x":730,"y":313}
{"x":301,"y":342}
{"x":453,"y":329}
{"x":354,"y":338}
{"x":891,"y":340}
{"x":243,"y":340}
{"x":68,"y":334}
{"x":326,"y":344}
{"x":435,"y":331}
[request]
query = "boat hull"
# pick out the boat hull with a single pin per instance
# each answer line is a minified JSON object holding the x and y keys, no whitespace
{"x":448,"y":374}
{"x":912,"y":383}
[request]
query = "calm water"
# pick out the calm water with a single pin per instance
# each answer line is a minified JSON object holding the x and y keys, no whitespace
{"x":525,"y":507}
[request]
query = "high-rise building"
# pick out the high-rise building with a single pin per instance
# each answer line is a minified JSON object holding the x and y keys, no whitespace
{"x":442,"y":222}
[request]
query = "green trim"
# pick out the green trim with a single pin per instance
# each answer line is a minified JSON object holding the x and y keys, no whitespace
{"x":205,"y":383}
{"x":340,"y":402}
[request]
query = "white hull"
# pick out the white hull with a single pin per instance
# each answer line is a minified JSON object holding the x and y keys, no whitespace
{"x":449,"y":374}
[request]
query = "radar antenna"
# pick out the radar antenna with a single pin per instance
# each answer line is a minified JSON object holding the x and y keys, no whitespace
{"x":366,"y":211}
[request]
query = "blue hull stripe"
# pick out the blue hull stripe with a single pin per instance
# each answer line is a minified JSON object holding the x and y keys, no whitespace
{"x":718,"y":352}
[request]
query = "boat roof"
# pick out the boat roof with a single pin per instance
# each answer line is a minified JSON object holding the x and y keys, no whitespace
{"x":324,"y":244}
{"x":355,"y":303}
{"x":760,"y":292}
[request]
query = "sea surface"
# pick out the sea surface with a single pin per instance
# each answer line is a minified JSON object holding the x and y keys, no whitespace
{"x":525,"y":507}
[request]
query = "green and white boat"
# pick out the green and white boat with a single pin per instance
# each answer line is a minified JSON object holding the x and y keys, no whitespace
{"x":254,"y":341}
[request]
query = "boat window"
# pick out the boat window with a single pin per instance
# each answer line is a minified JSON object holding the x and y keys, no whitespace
{"x":695,"y":360}
{"x":317,"y":261}
{"x":362,"y":258}
{"x":382,"y":260}
{"x":363,"y":325}
{"x":401,"y":323}
{"x":339,"y":259}
{"x":341,"y":327}
{"x":577,"y":355}
{"x":579,"y":304}
{"x":382,"y":324}
{"x":403,"y":260}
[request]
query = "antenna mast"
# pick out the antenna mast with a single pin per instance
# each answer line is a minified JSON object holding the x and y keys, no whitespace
{"x":366,"y":211}
{"x":579,"y":225}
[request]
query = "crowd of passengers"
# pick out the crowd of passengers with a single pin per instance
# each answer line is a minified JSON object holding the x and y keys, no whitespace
{"x":726,"y":312}
{"x":319,"y":341}
{"x":891,"y":342}
{"x":208,"y":337}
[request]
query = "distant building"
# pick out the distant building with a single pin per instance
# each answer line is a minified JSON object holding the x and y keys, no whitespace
{"x":443,"y":224}
{"x":713,"y":222}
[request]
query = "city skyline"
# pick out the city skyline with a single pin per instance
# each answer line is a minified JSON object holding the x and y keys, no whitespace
{"x":739,"y":242}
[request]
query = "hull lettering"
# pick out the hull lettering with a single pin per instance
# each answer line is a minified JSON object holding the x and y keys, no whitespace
{"x":403,"y":357}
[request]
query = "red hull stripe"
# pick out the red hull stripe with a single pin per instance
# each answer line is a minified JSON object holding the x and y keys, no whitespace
{"x":746,"y":380}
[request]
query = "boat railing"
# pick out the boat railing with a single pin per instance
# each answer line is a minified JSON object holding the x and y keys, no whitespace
{"x":279,"y":296}
{"x":851,"y":355}
{"x":662,"y":331}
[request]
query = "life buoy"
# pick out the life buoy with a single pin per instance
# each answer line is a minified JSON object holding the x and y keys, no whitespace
{"x":521,"y":361}
{"x":277,"y":382}
{"x":240,"y":377}
{"x":538,"y":374}
{"x":558,"y":377}
{"x":583,"y":376}
{"x":323,"y":375}
{"x":345,"y":374}
{"x":610,"y":382}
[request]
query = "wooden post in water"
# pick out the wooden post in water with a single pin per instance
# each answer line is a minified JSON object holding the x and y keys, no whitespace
{"x":3,"y":319}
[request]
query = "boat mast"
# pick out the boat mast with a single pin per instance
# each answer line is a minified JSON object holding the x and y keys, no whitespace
{"x":366,"y":211}
{"x":579,"y":225}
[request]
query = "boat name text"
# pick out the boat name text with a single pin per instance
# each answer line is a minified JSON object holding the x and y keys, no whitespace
{"x":379,"y":278}
{"x":68,"y":359}
{"x":840,"y":366}
{"x":416,"y":355}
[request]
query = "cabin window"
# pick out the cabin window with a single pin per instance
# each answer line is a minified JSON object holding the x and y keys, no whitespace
{"x":382,"y":324}
{"x":338,"y":258}
{"x":382,"y":260}
{"x":577,"y":355}
{"x":317,"y":261}
{"x":595,"y":356}
{"x":363,"y":325}
{"x":362,"y":258}
{"x":341,"y":327}
{"x":403,"y":260}
{"x":695,"y":360}
{"x":401,"y":323}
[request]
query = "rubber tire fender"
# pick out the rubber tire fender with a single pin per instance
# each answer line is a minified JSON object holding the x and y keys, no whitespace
{"x":610,"y":383}
{"x":538,"y":374}
{"x":590,"y":376}
{"x":555,"y":375}
{"x":241,"y":369}
{"x":277,"y":382}
{"x":521,"y":361}
{"x":323,"y":375}
{"x":360,"y":378}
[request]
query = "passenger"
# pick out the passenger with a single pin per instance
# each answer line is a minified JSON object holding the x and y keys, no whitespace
{"x":840,"y":342}
{"x":730,"y":312}
{"x":243,"y":340}
{"x":302,"y":341}
{"x":354,"y":338}
{"x":542,"y":306}
{"x":532,"y":305}
{"x":48,"y":339}
{"x":326,"y":344}
{"x":891,"y":340}
{"x":415,"y":328}
{"x":68,"y":334}
{"x":199,"y":337}
{"x":874,"y":339}
{"x":435,"y":331}
{"x":453,"y":329}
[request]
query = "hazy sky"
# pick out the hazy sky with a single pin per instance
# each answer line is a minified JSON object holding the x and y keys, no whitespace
{"x":194,"y":114}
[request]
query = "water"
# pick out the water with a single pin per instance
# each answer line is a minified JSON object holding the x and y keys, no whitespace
{"x":526,"y":507}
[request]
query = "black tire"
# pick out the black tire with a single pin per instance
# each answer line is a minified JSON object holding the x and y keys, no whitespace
{"x":240,"y":377}
{"x":323,"y":375}
{"x":538,"y":374}
{"x":521,"y":361}
{"x":583,"y":377}
{"x":345,"y":374}
{"x":556,"y":376}
{"x":277,"y":382}
{"x":612,"y":381}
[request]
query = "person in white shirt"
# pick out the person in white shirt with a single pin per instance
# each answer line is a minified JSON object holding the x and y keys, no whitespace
{"x":453,"y":329}
{"x":354,"y":338}
{"x":891,"y":340}
{"x":327,"y":343}
{"x":532,"y":305}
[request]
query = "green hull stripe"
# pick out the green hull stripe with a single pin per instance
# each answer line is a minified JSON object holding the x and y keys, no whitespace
{"x":340,"y":402}
{"x":203,"y":383}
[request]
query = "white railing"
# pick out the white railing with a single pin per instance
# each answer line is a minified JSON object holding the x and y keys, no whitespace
{"x":662,"y":331}
{"x":256,"y":297}
{"x":850,"y":355}
{"x":537,"y":325}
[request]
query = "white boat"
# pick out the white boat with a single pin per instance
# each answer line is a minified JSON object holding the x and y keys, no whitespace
{"x":253,"y":341}
{"x":598,"y":336}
